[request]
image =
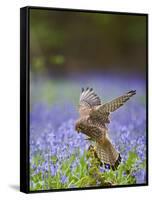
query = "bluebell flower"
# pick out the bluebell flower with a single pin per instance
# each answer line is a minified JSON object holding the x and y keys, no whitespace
{"x":64,"y":179}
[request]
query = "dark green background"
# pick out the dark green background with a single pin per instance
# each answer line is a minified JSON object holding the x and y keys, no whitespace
{"x":63,"y":42}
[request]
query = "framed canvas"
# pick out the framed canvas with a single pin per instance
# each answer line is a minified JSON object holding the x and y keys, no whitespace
{"x":84,"y":99}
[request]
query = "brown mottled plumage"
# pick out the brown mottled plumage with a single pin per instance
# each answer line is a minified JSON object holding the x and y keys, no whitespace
{"x":92,"y":122}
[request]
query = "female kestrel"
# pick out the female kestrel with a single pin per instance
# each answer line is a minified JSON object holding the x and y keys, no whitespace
{"x":92,"y":122}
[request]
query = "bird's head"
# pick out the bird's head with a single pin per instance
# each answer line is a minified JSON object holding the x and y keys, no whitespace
{"x":81,"y":125}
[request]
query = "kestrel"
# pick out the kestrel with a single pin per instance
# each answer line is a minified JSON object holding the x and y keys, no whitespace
{"x":92,"y":122}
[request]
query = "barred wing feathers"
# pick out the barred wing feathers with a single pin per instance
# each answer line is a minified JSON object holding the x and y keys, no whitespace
{"x":101,"y":113}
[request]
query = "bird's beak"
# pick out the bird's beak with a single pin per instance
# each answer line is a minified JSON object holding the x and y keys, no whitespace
{"x":78,"y":130}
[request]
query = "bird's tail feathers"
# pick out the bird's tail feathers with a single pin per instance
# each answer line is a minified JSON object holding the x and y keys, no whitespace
{"x":108,"y":155}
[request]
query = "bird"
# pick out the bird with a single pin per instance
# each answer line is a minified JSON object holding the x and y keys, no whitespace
{"x":93,"y":120}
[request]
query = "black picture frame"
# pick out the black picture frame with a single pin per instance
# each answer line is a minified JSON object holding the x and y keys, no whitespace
{"x":25,"y":96}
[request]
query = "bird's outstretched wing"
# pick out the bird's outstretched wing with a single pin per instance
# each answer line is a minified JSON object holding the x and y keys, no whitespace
{"x":88,"y":96}
{"x":88,"y":99}
{"x":101,"y":113}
